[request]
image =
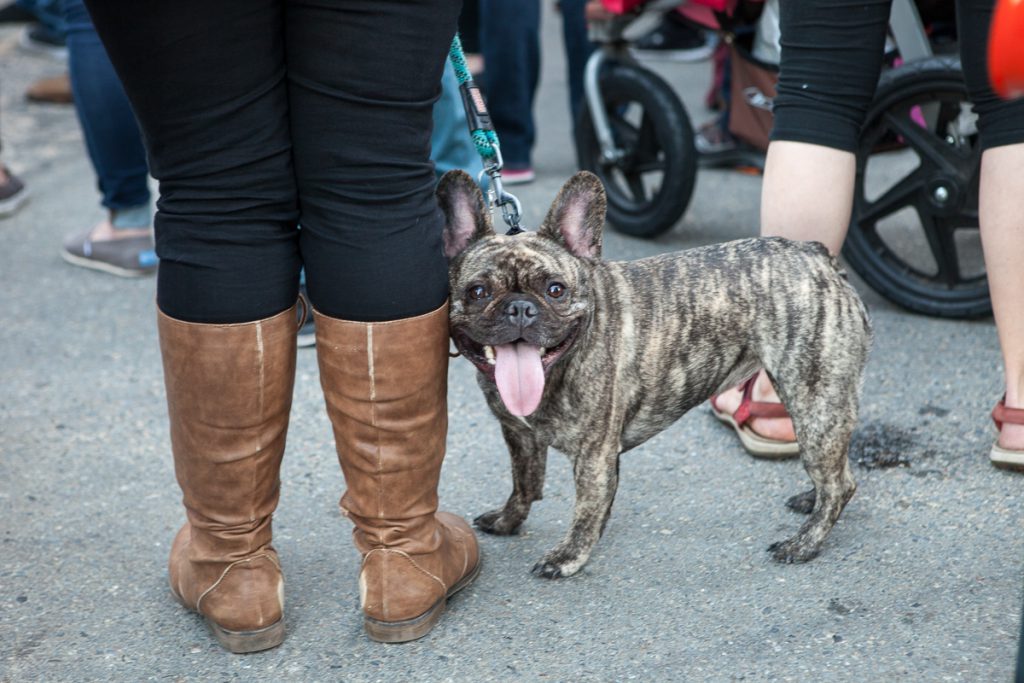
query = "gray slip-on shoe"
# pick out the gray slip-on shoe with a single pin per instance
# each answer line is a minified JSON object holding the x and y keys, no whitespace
{"x":13,"y":195}
{"x":126,"y":257}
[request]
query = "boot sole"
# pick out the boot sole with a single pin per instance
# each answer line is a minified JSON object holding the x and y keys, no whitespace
{"x":241,"y":642}
{"x":417,"y":627}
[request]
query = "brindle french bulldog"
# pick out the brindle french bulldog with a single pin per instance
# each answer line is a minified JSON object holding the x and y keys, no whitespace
{"x":595,"y":357}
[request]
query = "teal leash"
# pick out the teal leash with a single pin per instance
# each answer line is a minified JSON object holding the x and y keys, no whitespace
{"x":485,"y":139}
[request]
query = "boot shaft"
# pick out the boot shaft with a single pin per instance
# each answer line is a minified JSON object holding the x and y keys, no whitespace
{"x":229,"y":394}
{"x":385,"y":386}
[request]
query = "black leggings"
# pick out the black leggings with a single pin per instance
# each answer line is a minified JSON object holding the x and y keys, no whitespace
{"x":831,"y":59}
{"x":261,"y":115}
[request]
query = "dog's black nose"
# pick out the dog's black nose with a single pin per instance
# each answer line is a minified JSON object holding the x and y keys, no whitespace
{"x":521,"y":312}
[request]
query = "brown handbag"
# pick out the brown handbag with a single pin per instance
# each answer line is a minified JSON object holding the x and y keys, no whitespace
{"x":752,"y":95}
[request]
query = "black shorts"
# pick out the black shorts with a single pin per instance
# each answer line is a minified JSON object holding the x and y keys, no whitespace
{"x":831,"y":59}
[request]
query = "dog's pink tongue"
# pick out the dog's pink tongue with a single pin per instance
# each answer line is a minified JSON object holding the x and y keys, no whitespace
{"x":520,"y":377}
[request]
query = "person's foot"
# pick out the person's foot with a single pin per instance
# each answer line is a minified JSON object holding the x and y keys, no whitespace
{"x":676,"y":39}
{"x":772,"y":428}
{"x":517,"y":176}
{"x":118,"y":251}
{"x":1008,"y":450}
{"x":13,"y":193}
{"x":716,"y":148}
{"x":1011,"y":436}
{"x":52,"y":90}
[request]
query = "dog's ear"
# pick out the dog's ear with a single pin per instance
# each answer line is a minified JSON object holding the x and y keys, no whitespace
{"x":466,"y":216}
{"x":576,"y":218}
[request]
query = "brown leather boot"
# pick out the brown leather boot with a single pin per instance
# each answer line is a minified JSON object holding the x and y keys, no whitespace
{"x":229,"y":391}
{"x":385,"y":386}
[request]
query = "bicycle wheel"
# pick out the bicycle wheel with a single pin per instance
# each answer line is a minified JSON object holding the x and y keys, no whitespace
{"x":914,"y":235}
{"x":650,"y":183}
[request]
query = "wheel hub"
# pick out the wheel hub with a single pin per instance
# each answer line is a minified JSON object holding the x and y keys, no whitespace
{"x":944,"y":196}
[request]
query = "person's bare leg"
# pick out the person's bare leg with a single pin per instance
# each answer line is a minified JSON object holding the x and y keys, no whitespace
{"x":1002,"y":239}
{"x":807,"y":194}
{"x":105,"y":230}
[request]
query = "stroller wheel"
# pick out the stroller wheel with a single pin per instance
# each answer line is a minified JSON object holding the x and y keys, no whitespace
{"x":914,"y":235}
{"x":650,"y":183}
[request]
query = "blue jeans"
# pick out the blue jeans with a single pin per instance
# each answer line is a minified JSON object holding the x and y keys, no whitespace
{"x":111,"y":134}
{"x":510,"y":44}
{"x":47,"y":12}
{"x":577,"y":50}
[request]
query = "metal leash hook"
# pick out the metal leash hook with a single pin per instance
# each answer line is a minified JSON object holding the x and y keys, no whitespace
{"x":498,"y":196}
{"x":511,"y":210}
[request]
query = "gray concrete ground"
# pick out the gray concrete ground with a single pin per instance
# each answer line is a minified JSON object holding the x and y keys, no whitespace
{"x":921,"y":579}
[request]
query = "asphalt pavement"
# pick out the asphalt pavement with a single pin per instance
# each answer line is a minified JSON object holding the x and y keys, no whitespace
{"x":921,"y":579}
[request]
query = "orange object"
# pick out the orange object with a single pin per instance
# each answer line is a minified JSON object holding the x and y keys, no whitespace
{"x":1006,"y":48}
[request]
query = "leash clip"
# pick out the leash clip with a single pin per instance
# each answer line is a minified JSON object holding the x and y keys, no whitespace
{"x":511,"y":208}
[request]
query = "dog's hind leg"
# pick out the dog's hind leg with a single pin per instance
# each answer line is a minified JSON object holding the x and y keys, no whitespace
{"x":824,"y":419}
{"x":529,"y":460}
{"x":596,"y":474}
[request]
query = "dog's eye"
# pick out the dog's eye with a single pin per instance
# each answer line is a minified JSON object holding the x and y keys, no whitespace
{"x":556,"y":290}
{"x":477,"y":292}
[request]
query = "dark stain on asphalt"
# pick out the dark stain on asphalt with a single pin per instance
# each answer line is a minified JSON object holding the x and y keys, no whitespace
{"x":929,"y":409}
{"x":880,"y":446}
{"x":839,"y":608}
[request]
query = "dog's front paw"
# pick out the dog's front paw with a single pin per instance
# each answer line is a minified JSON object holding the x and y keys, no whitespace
{"x":558,"y":564}
{"x":547,"y":570}
{"x":498,"y":523}
{"x":793,"y":551}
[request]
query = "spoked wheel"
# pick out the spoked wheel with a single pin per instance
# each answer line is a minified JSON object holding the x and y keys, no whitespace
{"x":914,"y":236}
{"x":650,"y":182}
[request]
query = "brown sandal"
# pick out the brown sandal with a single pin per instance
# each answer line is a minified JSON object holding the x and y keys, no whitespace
{"x":1006,"y":458}
{"x":755,"y":444}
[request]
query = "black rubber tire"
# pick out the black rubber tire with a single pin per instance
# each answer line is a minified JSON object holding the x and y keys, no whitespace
{"x":949,"y":164}
{"x":668,"y":147}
